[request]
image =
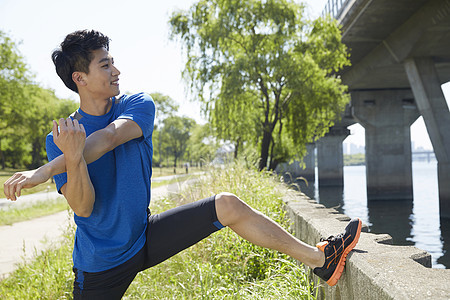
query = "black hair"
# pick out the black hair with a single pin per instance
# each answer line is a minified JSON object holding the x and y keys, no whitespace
{"x":75,"y":54}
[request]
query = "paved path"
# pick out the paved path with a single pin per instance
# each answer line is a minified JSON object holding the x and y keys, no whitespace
{"x":23,"y":240}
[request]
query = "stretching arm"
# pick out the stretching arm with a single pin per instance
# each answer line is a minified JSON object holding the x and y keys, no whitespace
{"x":100,"y":142}
{"x":97,"y":144}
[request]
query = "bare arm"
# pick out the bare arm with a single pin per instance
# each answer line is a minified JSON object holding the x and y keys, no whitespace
{"x":97,"y":144}
{"x":78,"y":190}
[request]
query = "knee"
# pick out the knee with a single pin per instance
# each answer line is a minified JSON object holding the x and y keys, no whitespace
{"x":230,"y":207}
{"x":228,"y":199}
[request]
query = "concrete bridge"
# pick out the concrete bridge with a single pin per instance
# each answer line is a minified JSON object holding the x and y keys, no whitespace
{"x":400,"y":54}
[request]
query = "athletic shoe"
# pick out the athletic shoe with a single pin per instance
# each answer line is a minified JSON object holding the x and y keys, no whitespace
{"x":336,"y":249}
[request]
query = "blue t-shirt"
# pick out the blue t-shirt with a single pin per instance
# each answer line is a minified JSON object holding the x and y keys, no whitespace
{"x":115,"y":230}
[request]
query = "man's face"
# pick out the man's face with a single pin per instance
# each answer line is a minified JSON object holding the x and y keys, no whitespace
{"x":103,"y":78}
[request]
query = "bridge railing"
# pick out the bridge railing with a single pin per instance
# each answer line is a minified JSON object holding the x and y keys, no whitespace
{"x":334,"y":7}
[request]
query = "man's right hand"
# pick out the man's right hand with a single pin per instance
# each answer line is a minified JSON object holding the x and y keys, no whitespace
{"x":70,"y":138}
{"x":22,"y":180}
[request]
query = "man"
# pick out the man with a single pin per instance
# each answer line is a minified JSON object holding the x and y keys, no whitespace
{"x":106,"y":181}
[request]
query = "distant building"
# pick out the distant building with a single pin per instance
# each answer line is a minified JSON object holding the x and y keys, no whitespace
{"x":350,"y":148}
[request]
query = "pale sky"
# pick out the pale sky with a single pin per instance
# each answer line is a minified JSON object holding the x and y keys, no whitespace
{"x":140,"y":44}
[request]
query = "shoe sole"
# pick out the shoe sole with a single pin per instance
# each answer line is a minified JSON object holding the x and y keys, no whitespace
{"x":340,"y":267}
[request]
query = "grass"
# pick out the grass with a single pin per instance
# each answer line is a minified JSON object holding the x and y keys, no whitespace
{"x":166,"y":171}
{"x":28,"y":212}
{"x":222,"y":266}
{"x":179,"y":180}
{"x":49,"y":276}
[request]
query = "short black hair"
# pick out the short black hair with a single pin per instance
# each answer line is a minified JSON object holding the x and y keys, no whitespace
{"x":75,"y":54}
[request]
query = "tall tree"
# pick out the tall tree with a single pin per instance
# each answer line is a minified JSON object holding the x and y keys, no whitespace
{"x":165,"y":107}
{"x":269,"y":72}
{"x":26,"y":110}
{"x":176,"y":133}
{"x":13,"y":80}
{"x":44,"y":107}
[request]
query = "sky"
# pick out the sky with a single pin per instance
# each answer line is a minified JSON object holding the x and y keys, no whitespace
{"x":148,"y":60}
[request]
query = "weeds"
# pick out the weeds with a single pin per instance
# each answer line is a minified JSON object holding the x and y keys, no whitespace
{"x":224,"y":266}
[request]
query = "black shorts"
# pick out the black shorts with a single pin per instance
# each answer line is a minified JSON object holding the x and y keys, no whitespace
{"x":167,"y":234}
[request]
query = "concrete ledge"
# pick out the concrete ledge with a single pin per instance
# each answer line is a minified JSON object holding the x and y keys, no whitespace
{"x":375,"y":269}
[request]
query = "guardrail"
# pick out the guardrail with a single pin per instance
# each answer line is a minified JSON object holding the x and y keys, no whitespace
{"x":334,"y":7}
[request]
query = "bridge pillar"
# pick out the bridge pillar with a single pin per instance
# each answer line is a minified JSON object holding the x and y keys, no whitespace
{"x":387,"y":116}
{"x":330,"y":158}
{"x":431,"y":102}
{"x":309,"y":172}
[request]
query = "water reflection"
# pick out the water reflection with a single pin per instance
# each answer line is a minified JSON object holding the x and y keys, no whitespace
{"x":393,"y":217}
{"x":332,"y":196}
{"x":445,"y":239}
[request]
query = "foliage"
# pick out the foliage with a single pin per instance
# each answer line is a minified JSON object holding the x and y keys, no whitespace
{"x":354,"y":159}
{"x":175,"y":135}
{"x":202,"y":145}
{"x":165,"y":106}
{"x":13,"y":77}
{"x":26,"y":111}
{"x":264,"y":74}
{"x":223,"y":266}
{"x":44,"y":107}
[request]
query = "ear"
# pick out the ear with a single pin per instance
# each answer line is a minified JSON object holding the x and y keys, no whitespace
{"x":79,"y":78}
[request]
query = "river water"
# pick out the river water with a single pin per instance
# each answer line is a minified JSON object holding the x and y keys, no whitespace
{"x":409,"y":223}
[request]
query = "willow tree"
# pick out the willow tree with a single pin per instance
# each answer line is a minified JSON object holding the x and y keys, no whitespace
{"x":263,"y":73}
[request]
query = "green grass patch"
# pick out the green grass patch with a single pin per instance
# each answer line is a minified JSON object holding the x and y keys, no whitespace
{"x":9,"y":216}
{"x":167,"y":171}
{"x":223,"y":266}
{"x":354,"y":159}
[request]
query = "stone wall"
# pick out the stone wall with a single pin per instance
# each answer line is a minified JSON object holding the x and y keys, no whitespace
{"x":375,"y":269}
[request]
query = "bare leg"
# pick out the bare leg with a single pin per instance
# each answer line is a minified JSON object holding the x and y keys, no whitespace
{"x":262,"y":231}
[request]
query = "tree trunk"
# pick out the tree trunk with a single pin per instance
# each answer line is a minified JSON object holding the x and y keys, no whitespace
{"x":175,"y":164}
{"x":36,"y":159}
{"x":2,"y":156}
{"x":265,"y":145}
{"x":236,"y":147}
